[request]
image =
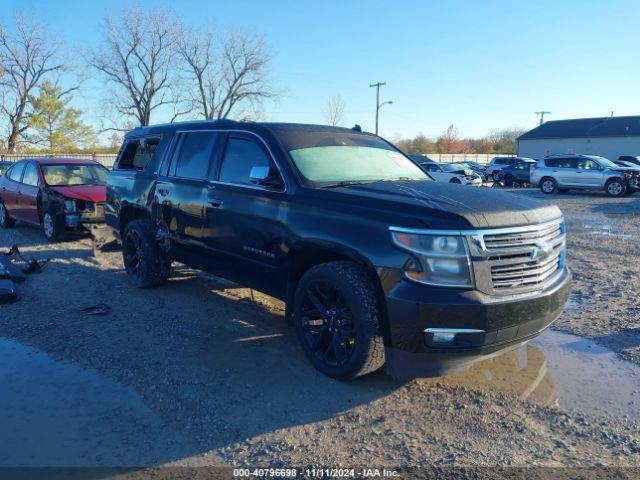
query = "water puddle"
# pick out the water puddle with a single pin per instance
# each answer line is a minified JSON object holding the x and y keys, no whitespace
{"x":57,"y":414}
{"x":560,"y":369}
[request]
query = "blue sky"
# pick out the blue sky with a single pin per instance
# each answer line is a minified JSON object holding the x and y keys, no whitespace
{"x":481,"y":65}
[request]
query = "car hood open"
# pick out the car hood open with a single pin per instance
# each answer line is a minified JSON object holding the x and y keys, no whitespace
{"x":429,"y":204}
{"x":90,"y":193}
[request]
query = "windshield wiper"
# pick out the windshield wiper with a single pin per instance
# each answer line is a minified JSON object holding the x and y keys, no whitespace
{"x":348,"y":183}
{"x":401,"y":179}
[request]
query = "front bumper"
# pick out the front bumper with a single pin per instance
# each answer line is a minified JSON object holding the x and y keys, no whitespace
{"x":492,"y":324}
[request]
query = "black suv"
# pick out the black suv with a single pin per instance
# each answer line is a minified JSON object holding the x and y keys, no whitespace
{"x":376,"y":262}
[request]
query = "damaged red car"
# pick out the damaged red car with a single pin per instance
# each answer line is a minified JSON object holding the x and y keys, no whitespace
{"x":57,"y":194}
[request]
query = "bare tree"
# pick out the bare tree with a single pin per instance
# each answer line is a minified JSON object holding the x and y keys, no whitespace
{"x":334,"y":113}
{"x":230,"y":73}
{"x":27,"y":59}
{"x":137,"y":60}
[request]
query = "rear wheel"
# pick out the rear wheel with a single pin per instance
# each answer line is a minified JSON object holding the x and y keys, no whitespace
{"x":548,"y":185}
{"x":337,"y":316}
{"x":144,"y":260}
{"x":52,"y":226}
{"x":5,"y":220}
{"x":616,"y":187}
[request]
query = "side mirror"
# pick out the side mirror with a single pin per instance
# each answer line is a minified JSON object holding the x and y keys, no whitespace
{"x":266,"y":177}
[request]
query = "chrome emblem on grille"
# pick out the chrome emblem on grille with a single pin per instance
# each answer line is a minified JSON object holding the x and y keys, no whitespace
{"x":541,"y":250}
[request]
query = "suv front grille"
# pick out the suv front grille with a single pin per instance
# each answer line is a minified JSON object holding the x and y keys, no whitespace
{"x":522,"y":260}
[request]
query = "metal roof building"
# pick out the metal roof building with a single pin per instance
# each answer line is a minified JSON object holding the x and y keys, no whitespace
{"x":609,"y":137}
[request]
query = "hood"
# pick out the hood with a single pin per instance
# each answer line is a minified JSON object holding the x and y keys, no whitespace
{"x":625,"y":169}
{"x":429,"y":204}
{"x":90,"y":193}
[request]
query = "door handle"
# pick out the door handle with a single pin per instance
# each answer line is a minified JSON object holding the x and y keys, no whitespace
{"x":215,"y":203}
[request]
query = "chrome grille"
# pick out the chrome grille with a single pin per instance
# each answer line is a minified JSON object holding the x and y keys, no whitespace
{"x":523,"y":260}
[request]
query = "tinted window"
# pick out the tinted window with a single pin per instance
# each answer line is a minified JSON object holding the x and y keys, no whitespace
{"x":195,"y":153}
{"x":522,"y":166}
{"x":30,"y":175}
{"x":240,"y":156}
{"x":500,"y":161}
{"x":561,"y":162}
{"x":16,"y":172}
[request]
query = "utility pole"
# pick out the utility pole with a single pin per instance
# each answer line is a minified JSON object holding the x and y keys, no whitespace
{"x":542,"y":114}
{"x":378,"y":104}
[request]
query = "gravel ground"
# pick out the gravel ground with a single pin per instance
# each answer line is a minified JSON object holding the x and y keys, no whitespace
{"x":203,"y":372}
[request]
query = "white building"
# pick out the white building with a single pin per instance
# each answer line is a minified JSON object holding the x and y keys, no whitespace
{"x":608,"y":137}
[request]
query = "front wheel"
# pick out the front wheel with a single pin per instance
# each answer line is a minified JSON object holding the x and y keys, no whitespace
{"x":337,"y":316}
{"x":52,"y":226}
{"x":616,"y":187}
{"x":496,"y":176}
{"x":144,"y":261}
{"x":509,"y":180}
{"x":455,"y":180}
{"x":5,"y":220}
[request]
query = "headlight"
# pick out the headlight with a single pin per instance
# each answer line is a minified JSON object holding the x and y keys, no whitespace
{"x":70,"y":206}
{"x":442,"y":260}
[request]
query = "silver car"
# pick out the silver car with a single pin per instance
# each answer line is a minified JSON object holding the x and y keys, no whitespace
{"x":560,"y":173}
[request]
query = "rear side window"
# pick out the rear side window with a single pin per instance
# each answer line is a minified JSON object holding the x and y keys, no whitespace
{"x":137,"y":153}
{"x":31,"y":176}
{"x":561,"y":162}
{"x":15,"y":173}
{"x":195,"y":154}
{"x":240,"y":156}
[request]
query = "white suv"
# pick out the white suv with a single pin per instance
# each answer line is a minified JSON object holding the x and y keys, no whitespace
{"x":559,"y":173}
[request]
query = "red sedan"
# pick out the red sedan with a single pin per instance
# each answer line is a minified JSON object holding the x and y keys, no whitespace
{"x":58,"y":194}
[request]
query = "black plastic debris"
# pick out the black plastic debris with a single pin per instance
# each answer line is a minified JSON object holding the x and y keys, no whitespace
{"x":8,"y":291}
{"x":99,"y":309}
{"x":31,"y":265}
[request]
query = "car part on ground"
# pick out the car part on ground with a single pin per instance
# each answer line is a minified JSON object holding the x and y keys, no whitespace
{"x":562,"y":172}
{"x":98,"y":309}
{"x":376,"y":262}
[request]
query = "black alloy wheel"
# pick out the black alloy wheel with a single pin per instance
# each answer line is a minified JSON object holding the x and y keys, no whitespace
{"x":327,"y":324}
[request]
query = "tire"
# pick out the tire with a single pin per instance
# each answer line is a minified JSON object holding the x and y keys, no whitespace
{"x":144,"y":261}
{"x":337,"y":309}
{"x":496,"y":176}
{"x":548,"y":185}
{"x":455,"y":180}
{"x":509,"y":181}
{"x":5,"y":220}
{"x":52,"y":226}
{"x":616,"y":187}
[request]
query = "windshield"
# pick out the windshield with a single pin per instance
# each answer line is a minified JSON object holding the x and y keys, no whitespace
{"x":349,"y":163}
{"x":452,"y":167}
{"x":72,"y":174}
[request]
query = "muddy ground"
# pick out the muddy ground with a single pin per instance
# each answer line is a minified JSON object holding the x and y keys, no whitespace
{"x":204,"y":372}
